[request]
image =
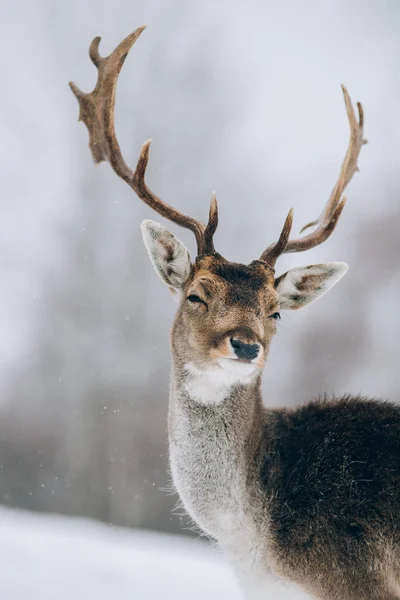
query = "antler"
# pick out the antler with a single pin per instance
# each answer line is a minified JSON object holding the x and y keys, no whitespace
{"x":97,"y":112}
{"x":333,"y":208}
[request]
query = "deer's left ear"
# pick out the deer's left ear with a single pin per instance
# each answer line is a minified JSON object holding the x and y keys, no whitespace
{"x":302,"y":285}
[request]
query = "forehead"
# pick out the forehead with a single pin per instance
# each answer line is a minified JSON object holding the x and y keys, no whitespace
{"x":241,"y":282}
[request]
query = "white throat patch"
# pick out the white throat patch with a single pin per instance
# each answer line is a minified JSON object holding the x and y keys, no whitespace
{"x":212,"y":385}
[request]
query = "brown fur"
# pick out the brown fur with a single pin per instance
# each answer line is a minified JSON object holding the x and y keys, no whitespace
{"x":315,"y":490}
{"x":200,"y":332}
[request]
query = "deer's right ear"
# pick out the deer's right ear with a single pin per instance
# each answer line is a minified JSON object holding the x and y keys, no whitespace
{"x":169,"y":256}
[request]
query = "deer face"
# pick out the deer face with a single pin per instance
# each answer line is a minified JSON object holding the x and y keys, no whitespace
{"x":227,"y":316}
{"x":227,"y":311}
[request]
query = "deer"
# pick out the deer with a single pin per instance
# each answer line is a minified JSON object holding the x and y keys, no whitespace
{"x":308,"y":494}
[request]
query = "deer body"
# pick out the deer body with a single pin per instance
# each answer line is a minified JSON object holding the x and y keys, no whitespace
{"x":304,"y":494}
{"x":310,"y":494}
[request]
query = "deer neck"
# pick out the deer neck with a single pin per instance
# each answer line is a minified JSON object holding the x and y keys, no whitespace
{"x":215,"y":429}
{"x":216,"y":393}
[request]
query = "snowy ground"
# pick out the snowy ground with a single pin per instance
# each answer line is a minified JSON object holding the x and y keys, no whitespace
{"x":49,"y":557}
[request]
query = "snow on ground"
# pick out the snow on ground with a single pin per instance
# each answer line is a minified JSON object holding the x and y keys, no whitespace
{"x":46,"y":557}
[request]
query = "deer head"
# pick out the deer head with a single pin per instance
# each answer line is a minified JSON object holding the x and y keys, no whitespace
{"x":227,"y":312}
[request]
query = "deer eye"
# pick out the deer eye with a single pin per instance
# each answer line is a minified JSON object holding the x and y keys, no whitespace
{"x":194,"y":299}
{"x":275,"y":316}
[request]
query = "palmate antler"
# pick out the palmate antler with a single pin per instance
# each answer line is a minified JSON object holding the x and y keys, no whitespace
{"x":333,"y":208}
{"x":97,"y":112}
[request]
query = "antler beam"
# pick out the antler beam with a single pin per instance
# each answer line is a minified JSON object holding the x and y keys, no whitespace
{"x":327,"y":222}
{"x":97,"y":113}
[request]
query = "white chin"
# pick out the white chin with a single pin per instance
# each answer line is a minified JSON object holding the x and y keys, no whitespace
{"x":238,"y":369}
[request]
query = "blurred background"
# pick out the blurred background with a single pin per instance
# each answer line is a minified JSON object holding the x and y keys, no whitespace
{"x":240,"y":97}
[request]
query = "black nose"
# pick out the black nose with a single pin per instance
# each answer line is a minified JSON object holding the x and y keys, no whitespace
{"x":246,"y":351}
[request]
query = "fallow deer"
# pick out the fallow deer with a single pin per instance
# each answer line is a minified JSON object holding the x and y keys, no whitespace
{"x":310,"y":494}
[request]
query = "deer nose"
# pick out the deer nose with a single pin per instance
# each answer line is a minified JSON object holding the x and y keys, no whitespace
{"x":245,"y":351}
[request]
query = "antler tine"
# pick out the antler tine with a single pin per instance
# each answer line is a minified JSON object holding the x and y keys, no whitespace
{"x":169,"y":212}
{"x":97,"y":112}
{"x":272,"y":253}
{"x":327,"y":222}
{"x":211,"y":225}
